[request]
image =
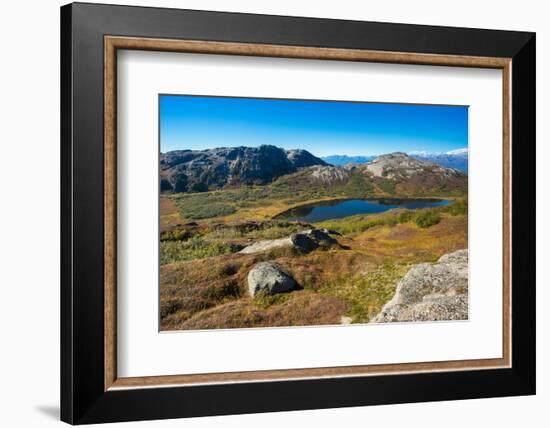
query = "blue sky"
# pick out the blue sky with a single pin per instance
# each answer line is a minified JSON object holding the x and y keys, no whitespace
{"x":321,"y":127}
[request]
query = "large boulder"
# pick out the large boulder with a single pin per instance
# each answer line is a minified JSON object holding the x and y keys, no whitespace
{"x":267,"y":277}
{"x":303,"y":242}
{"x":431,"y":292}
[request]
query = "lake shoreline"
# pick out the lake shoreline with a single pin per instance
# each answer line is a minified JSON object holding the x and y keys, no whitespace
{"x":391,"y":202}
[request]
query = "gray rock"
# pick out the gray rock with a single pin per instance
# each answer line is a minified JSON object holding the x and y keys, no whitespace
{"x":267,"y":277}
{"x":330,"y":174}
{"x":431,"y":292}
{"x":267,"y":245}
{"x":305,"y":242}
{"x":321,"y":237}
{"x":330,"y":232}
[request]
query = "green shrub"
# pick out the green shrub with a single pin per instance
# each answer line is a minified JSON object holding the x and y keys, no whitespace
{"x":405,"y":216}
{"x":459,"y":207}
{"x":358,"y":186}
{"x":392,"y":220}
{"x":426,"y":218}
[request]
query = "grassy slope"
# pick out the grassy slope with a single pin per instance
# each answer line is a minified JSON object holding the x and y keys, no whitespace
{"x":354,"y":281}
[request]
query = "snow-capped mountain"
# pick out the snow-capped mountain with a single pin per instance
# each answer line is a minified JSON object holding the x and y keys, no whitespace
{"x":458,"y":152}
{"x":457,"y":159}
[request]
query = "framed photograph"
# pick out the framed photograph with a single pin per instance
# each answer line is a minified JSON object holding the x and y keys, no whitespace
{"x":265,"y":213}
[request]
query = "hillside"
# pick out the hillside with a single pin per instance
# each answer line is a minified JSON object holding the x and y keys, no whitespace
{"x":343,"y":274}
{"x":413,"y":175}
{"x":391,"y":174}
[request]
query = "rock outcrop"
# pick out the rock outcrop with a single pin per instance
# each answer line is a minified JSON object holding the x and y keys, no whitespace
{"x":266,"y":245}
{"x":431,"y":292}
{"x":267,"y":277}
{"x":304,"y":242}
{"x":330,"y":174}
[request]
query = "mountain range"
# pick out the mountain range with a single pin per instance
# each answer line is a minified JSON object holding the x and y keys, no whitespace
{"x":219,"y":168}
{"x":452,"y":159}
{"x":457,"y":159}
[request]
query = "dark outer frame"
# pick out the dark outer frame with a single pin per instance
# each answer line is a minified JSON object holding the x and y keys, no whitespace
{"x":114,"y":43}
{"x":83,"y":396}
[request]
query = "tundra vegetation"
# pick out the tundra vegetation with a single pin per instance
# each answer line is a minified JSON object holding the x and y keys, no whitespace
{"x":346,"y":276}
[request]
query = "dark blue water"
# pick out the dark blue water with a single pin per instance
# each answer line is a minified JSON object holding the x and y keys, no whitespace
{"x":329,"y":210}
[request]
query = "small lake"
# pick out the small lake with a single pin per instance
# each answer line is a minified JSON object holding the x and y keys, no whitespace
{"x":329,"y":210}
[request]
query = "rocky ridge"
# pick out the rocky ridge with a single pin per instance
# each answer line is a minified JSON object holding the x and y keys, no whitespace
{"x":402,"y":166}
{"x":203,"y":170}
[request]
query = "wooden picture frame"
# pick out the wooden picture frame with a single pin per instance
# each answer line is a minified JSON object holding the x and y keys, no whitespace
{"x":91,"y":390}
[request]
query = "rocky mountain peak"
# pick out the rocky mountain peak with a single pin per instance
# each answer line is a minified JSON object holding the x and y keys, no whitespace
{"x":202,"y":170}
{"x":300,"y":158}
{"x":399,"y":165}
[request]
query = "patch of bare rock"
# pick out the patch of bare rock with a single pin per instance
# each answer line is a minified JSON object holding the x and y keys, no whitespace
{"x":305,"y":242}
{"x":329,"y":174}
{"x":431,"y":292}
